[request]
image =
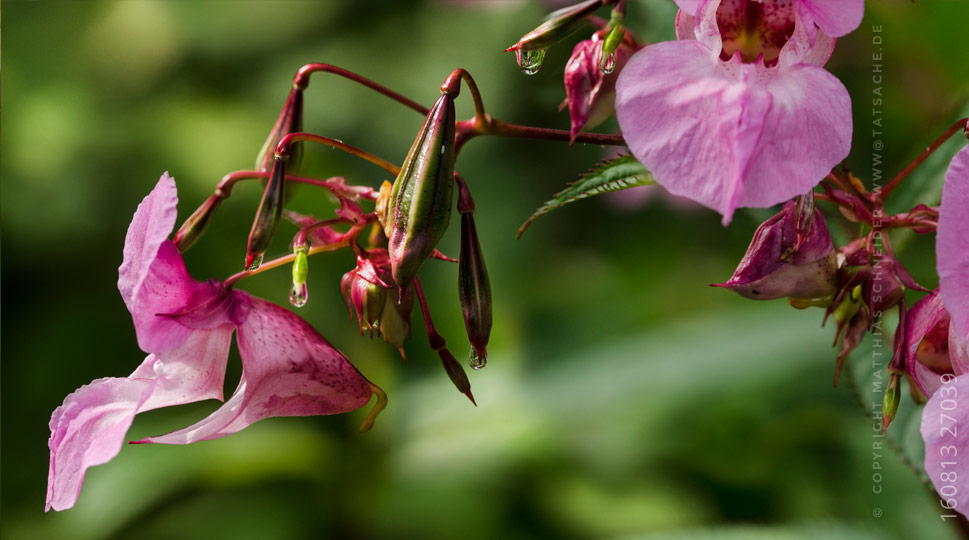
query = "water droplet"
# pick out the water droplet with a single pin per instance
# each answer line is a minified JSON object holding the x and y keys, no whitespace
{"x":607,"y":64}
{"x":298,"y":295}
{"x":475,"y":361}
{"x":253,"y":262}
{"x":530,"y":62}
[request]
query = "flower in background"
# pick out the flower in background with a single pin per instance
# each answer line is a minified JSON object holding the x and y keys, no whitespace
{"x":738,"y":111}
{"x":289,"y":369}
{"x":945,"y":418}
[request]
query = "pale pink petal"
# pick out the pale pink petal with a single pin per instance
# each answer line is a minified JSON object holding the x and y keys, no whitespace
{"x":834,"y":17}
{"x":193,"y":372}
{"x":944,"y":422}
{"x":289,"y":369}
{"x":952,"y":242}
{"x":89,"y":428}
{"x":728,"y":134}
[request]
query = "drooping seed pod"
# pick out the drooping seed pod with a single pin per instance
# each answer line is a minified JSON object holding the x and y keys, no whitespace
{"x":267,"y":216}
{"x":290,"y":121}
{"x":420,"y":205}
{"x":474,"y":291}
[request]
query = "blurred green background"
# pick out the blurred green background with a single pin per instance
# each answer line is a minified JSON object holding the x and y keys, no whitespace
{"x":624,"y":397}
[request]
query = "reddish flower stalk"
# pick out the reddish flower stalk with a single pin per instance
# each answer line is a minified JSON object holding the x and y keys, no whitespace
{"x":961,"y":124}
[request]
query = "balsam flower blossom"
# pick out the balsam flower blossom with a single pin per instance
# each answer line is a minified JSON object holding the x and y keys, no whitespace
{"x":289,"y":369}
{"x":738,"y":111}
{"x":945,"y":419}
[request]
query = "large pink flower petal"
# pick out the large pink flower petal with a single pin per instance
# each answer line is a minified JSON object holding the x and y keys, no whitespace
{"x":88,"y":429}
{"x":289,"y":369}
{"x":155,"y":284}
{"x":944,"y":421}
{"x":924,"y":316}
{"x":952,"y":242}
{"x":730,"y":134}
{"x":834,"y":17}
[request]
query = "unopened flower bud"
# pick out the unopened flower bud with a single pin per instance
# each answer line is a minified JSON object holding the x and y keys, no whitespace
{"x":299,"y":293}
{"x":365,"y":290}
{"x":474,"y":291}
{"x":421,"y":198}
{"x":591,"y":93}
{"x":607,"y":59}
{"x":886,"y":285}
{"x":267,"y":217}
{"x":290,"y":121}
{"x":193,"y":227}
{"x":774,"y":267}
{"x":456,"y":373}
{"x":890,"y":400}
{"x":530,"y":49}
{"x":395,"y":319}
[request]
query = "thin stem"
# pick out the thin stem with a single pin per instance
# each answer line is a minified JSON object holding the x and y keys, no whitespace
{"x":224,"y":186}
{"x":452,"y":85}
{"x":435,"y":340}
{"x":300,"y":237}
{"x":513,"y":130}
{"x":286,"y":259}
{"x":282,"y":149}
{"x":301,"y":80}
{"x":959,"y":125}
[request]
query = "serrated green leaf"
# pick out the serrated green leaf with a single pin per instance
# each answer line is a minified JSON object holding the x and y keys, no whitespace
{"x":616,"y":174}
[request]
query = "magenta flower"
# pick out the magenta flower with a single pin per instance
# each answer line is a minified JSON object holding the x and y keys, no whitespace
{"x":738,"y":111}
{"x":289,"y":369}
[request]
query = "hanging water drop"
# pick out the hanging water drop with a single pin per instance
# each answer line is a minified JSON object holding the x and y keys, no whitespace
{"x":530,"y":62}
{"x":475,"y":360}
{"x":298,"y":295}
{"x":607,"y":64}
{"x":253,"y":262}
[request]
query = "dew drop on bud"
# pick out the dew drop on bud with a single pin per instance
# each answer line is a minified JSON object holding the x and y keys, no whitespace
{"x":530,"y":62}
{"x":475,"y":361}
{"x":607,"y":64}
{"x":253,"y":262}
{"x":298,"y":295}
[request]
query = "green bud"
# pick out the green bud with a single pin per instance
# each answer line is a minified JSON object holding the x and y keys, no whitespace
{"x":420,"y":205}
{"x":556,"y":27}
{"x":299,"y":293}
{"x":890,"y":400}
{"x":195,"y":225}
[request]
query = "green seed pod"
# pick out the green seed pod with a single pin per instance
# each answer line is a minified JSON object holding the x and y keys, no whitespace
{"x":420,"y":205}
{"x":194,"y":226}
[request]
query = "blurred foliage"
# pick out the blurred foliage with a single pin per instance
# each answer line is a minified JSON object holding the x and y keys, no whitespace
{"x":624,"y":397}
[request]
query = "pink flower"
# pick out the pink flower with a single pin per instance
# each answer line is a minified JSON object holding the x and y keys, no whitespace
{"x":288,"y":368}
{"x":952,"y":243}
{"x":738,"y":111}
{"x":945,"y":418}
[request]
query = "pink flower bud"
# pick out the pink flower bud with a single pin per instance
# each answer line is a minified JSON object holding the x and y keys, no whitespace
{"x":774,"y":267}
{"x":590,"y":93}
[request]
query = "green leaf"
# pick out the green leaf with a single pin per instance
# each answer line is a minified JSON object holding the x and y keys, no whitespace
{"x":616,"y":174}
